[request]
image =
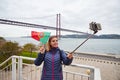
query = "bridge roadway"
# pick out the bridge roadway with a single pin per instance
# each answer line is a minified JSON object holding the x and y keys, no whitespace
{"x":24,"y":24}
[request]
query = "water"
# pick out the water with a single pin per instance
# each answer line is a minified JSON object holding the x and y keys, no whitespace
{"x":107,"y":46}
{"x":100,"y":46}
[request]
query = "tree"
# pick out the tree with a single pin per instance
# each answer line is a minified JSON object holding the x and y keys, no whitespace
{"x":29,"y":47}
{"x":10,"y":48}
{"x":1,"y":38}
{"x":2,"y":41}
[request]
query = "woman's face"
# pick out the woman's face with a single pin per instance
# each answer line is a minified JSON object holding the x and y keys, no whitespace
{"x":54,"y":42}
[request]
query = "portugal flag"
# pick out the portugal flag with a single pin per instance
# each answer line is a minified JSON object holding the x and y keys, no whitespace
{"x":40,"y":36}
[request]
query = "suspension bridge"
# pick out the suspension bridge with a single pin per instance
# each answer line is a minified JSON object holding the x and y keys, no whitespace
{"x":57,"y":28}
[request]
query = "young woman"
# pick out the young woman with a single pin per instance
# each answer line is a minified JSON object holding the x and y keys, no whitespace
{"x":53,"y":58}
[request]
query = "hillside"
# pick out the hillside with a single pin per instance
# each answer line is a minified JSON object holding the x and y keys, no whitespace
{"x":104,"y":36}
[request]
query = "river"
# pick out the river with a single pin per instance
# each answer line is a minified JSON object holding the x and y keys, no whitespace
{"x":99,"y":46}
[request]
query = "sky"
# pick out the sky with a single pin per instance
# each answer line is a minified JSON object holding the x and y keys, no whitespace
{"x":75,"y":15}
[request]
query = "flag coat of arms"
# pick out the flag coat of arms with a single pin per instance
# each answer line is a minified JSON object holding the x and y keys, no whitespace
{"x":40,"y":36}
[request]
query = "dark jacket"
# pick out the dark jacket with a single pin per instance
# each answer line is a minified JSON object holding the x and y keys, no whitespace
{"x":52,"y":68}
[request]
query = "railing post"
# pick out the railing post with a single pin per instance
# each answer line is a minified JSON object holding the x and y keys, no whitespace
{"x":13,"y":68}
{"x":97,"y":75}
{"x":20,"y":68}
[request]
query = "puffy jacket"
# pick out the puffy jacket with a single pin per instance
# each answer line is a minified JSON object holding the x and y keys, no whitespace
{"x":52,"y":67}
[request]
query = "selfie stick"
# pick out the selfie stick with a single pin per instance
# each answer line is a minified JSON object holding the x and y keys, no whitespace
{"x":94,"y":27}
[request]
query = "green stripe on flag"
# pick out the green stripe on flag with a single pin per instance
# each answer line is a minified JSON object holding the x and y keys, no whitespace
{"x":45,"y":37}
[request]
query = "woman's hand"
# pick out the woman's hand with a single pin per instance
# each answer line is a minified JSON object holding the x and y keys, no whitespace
{"x":70,"y":55}
{"x":42,"y":49}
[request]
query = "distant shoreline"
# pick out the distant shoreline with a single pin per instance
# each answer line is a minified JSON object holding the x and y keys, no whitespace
{"x":104,"y":36}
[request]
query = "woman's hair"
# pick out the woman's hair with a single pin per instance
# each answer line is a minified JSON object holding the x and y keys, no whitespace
{"x":48,"y":46}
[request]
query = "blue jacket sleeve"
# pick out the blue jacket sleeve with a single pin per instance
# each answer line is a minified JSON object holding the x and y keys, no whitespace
{"x":65,"y":60}
{"x":39,"y":59}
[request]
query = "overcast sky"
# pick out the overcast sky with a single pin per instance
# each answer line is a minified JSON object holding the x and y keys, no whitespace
{"x":75,"y":15}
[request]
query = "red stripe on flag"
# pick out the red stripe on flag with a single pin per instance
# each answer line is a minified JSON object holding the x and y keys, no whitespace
{"x":37,"y":35}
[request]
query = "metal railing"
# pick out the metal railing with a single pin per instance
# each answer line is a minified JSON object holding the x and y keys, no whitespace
{"x":19,"y":70}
